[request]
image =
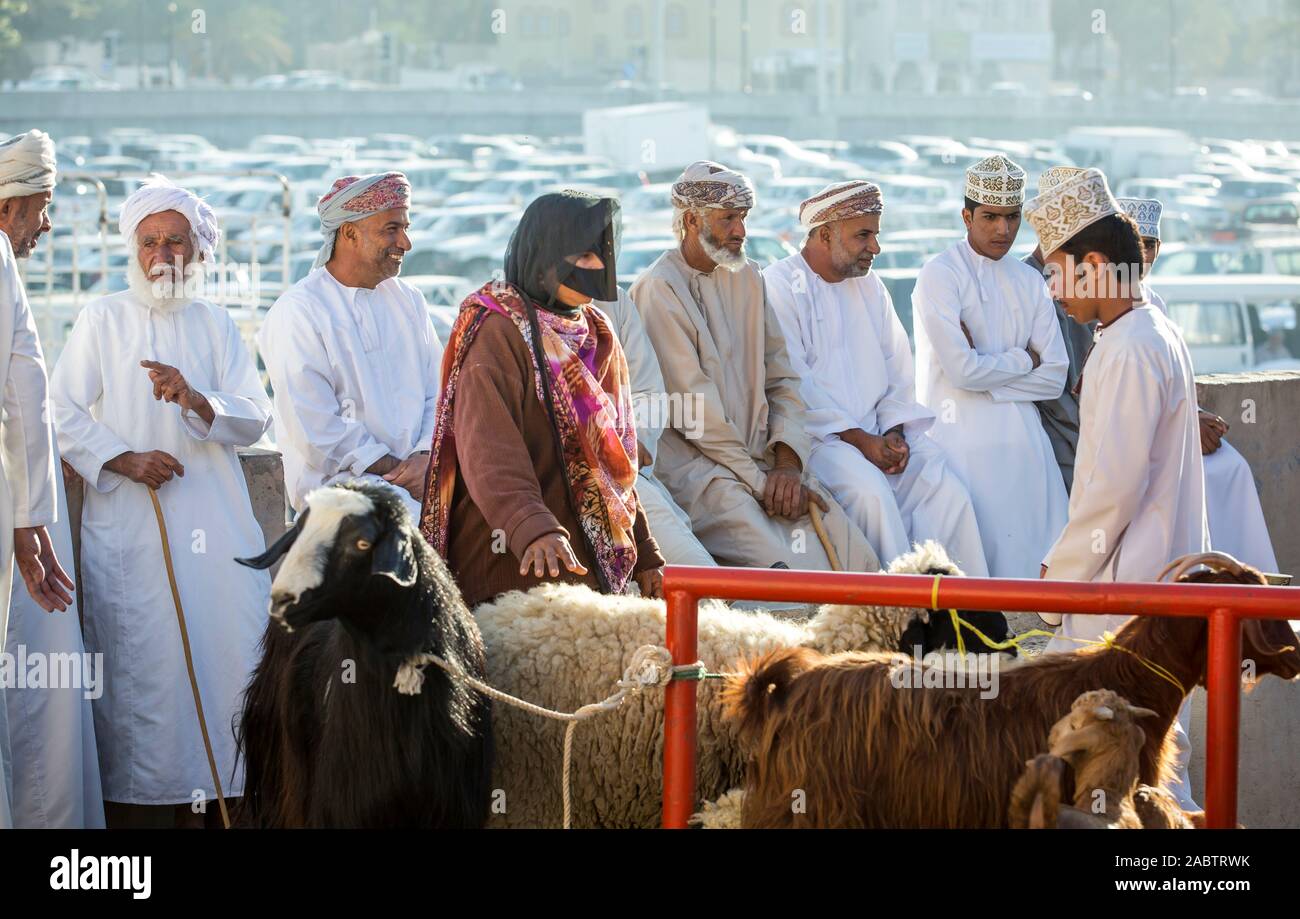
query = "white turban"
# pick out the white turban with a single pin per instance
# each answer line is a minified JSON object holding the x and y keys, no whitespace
{"x":26,"y":165}
{"x":354,"y":198}
{"x":160,"y":194}
{"x":708,"y":184}
{"x":1145,"y":213}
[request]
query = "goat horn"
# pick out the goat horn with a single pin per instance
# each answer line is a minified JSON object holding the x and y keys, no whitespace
{"x":1215,"y":561}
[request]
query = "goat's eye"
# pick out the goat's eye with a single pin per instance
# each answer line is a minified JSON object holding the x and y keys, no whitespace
{"x":363,"y":544}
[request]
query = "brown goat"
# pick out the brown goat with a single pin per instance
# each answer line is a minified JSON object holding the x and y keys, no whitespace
{"x":833,"y":736}
{"x":1098,"y":742}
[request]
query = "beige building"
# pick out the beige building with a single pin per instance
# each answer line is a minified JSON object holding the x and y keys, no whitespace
{"x":730,"y":45}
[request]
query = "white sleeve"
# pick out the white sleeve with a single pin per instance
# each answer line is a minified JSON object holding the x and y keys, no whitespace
{"x":1047,"y":380}
{"x":1112,"y":468}
{"x":28,"y":437}
{"x":310,"y":415}
{"x":241,"y":409}
{"x":75,"y":389}
{"x":936,"y":307}
{"x":898,"y":405}
{"x":824,"y":416}
{"x":432,"y":378}
{"x":645,"y":377}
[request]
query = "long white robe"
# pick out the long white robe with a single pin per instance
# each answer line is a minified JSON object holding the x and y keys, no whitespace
{"x":26,"y":454}
{"x":724,"y":360}
{"x":150,"y":748}
{"x":669,"y":524}
{"x":355,"y":374}
{"x":1232,"y":505}
{"x":1138,"y":500}
{"x":983,"y":397}
{"x":52,"y":729}
{"x":852,"y":355}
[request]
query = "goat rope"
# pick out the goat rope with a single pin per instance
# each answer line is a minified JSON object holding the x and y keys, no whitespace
{"x":651,"y":666}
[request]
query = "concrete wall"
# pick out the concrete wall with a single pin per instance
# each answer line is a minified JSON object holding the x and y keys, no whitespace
{"x":1263,"y":410}
{"x":1269,"y":439}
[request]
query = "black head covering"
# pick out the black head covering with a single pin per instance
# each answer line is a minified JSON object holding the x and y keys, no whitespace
{"x":556,"y":225}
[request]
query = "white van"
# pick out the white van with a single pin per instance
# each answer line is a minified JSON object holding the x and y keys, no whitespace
{"x":1248,"y":322}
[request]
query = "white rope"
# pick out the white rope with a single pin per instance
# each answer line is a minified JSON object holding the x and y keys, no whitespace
{"x":650,"y":667}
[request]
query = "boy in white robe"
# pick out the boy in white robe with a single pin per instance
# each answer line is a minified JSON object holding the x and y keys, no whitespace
{"x":849,"y":349}
{"x":155,"y":390}
{"x":988,"y":346}
{"x":351,"y":351}
{"x":1138,"y":499}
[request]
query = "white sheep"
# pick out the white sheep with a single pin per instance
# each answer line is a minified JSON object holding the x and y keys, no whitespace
{"x":563,"y":646}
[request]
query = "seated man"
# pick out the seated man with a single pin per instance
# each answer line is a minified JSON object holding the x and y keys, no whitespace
{"x":1231,"y":501}
{"x":738,"y":471}
{"x":352,"y":355}
{"x":870,"y":446}
{"x":669,"y":524}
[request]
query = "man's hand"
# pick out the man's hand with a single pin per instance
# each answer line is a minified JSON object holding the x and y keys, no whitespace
{"x":153,"y":468}
{"x":651,"y":583}
{"x":965,"y":331}
{"x":1212,"y":430}
{"x":1033,"y":356}
{"x":643,"y":458}
{"x":888,"y":453}
{"x":785,"y":495}
{"x":411,"y":474}
{"x":546,"y":553}
{"x":45,"y":578}
{"x":170,"y":386}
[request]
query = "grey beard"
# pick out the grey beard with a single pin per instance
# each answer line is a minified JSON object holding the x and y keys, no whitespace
{"x":845,"y":265}
{"x":151,"y":291}
{"x":720,"y":255}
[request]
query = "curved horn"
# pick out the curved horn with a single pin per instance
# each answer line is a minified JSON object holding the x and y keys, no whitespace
{"x":1215,"y":561}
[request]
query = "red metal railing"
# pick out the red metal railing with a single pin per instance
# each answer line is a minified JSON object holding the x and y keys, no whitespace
{"x":1223,"y":605}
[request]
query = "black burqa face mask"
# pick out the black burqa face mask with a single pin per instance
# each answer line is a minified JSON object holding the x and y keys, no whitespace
{"x":554,"y":232}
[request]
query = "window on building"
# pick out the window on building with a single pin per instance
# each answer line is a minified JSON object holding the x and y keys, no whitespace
{"x":675,"y":20}
{"x":527,"y":24}
{"x":635,"y":22}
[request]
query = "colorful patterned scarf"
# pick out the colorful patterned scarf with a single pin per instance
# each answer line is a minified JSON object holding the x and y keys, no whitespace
{"x":597,"y":428}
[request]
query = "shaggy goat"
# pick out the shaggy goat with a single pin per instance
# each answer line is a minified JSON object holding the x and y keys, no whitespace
{"x":564,"y":646}
{"x":328,"y":740}
{"x":1098,"y":741}
{"x":837,"y":728}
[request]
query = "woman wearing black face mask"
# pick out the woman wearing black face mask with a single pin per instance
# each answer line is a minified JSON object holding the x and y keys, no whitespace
{"x":533,"y":473}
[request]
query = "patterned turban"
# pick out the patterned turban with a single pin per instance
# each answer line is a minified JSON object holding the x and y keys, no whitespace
{"x":841,"y":201}
{"x":708,"y":184}
{"x":1145,"y":213}
{"x":1069,"y":208}
{"x":996,"y":181}
{"x":354,"y":198}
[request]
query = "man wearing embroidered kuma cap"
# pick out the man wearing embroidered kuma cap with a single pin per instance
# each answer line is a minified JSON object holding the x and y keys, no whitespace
{"x":870,"y":445}
{"x":1139,"y":491}
{"x":987,"y":348}
{"x":738,"y":471}
{"x":351,"y":352}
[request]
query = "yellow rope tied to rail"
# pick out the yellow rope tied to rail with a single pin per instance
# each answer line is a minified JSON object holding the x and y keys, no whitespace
{"x":1107,"y":640}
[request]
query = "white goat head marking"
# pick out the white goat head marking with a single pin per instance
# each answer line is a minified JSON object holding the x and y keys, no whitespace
{"x":304,"y":565}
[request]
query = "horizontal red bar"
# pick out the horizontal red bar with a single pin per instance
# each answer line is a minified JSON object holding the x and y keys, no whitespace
{"x":1002,"y":594}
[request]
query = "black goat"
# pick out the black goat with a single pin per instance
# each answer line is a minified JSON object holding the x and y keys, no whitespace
{"x":327,"y":739}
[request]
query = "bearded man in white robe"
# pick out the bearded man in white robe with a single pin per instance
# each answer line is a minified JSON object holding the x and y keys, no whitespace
{"x":735,"y":456}
{"x":156,"y":391}
{"x":1138,"y":500}
{"x":45,"y":722}
{"x":870,"y":446}
{"x":55,"y":767}
{"x":988,"y":347}
{"x":353,"y":358}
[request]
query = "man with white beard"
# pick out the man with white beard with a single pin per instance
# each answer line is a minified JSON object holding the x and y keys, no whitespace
{"x":55,"y":768}
{"x":870,"y":442}
{"x":739,"y":470}
{"x":28,"y":506}
{"x":154,"y":392}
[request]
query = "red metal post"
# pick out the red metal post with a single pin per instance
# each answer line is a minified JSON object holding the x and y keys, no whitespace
{"x":679,"y":714}
{"x":1222,"y":714}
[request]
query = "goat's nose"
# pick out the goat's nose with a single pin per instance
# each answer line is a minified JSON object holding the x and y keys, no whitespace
{"x":280,"y":599}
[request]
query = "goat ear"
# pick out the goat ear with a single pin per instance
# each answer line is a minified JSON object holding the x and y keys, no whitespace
{"x":278,"y":548}
{"x":394,"y":558}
